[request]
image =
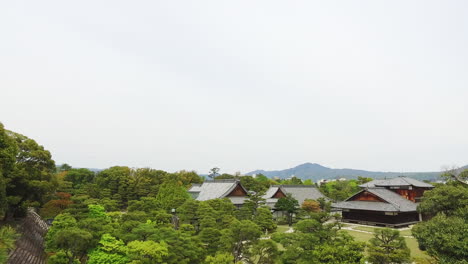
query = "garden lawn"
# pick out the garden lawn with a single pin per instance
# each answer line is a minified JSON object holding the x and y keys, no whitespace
{"x":406,"y":232}
{"x":410,"y":242}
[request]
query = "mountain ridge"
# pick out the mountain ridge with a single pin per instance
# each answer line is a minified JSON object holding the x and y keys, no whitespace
{"x":315,"y":171}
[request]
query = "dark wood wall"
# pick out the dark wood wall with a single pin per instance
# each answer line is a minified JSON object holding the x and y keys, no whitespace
{"x":412,"y":195}
{"x":238,"y":191}
{"x":279,"y":194}
{"x":366,"y":196}
{"x":380,"y":217}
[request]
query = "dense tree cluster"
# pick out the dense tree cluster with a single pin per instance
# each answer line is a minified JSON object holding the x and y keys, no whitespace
{"x":444,"y":237}
{"x":27,"y":174}
{"x":139,"y":216}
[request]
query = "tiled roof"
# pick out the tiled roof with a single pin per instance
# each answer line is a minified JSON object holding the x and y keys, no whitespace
{"x":393,"y":202}
{"x":398,"y":181}
{"x":272,"y":191}
{"x":214,"y":189}
{"x":299,"y":192}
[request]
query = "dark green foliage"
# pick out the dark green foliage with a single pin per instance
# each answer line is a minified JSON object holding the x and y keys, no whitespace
{"x":79,"y":176}
{"x":183,"y":248}
{"x":264,"y":219}
{"x":341,"y":190}
{"x":289,"y":205}
{"x":316,"y":242}
{"x":171,"y":195}
{"x":211,"y":239}
{"x":240,"y":237}
{"x":264,"y":252}
{"x":74,"y":240}
{"x":387,"y":246}
{"x":444,"y":237}
{"x":26,"y":174}
{"x":445,"y":199}
{"x":8,"y":238}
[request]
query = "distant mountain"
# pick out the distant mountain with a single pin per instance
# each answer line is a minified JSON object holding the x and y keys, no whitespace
{"x":316,"y":172}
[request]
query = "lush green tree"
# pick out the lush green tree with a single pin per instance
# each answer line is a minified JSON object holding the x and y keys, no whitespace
{"x":96,"y":211}
{"x":147,"y":252}
{"x":315,"y":241}
{"x":444,"y":237}
{"x":61,"y":222}
{"x":206,"y":215}
{"x":31,"y":181}
{"x":79,"y":176}
{"x":362,"y":180}
{"x":325,"y":205}
{"x":187,"y":178}
{"x":187,"y":212}
{"x":250,"y":206}
{"x":387,"y":246}
{"x":183,"y":247}
{"x":220,"y":258}
{"x":110,"y":250}
{"x":264,"y":219}
{"x":145,"y":182}
{"x":340,"y":190}
{"x":240,"y":237}
{"x":8,"y":238}
{"x":289,"y":205}
{"x":342,"y":249}
{"x":264,"y":252}
{"x":171,"y":195}
{"x":74,"y":242}
{"x":254,"y":185}
{"x":213,"y":172}
{"x":61,"y":257}
{"x":117,"y":179}
{"x":8,"y":152}
{"x":211,"y":238}
{"x":445,"y":199}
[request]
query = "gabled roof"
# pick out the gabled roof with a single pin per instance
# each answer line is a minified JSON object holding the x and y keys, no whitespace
{"x":272,"y":191}
{"x":299,"y":192}
{"x":215,"y":189}
{"x":398,"y":181}
{"x":393,"y":202}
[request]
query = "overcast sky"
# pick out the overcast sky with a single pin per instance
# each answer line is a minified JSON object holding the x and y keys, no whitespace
{"x":242,"y":85}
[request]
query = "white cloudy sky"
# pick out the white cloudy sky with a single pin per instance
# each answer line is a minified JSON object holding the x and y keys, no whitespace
{"x":242,"y":85}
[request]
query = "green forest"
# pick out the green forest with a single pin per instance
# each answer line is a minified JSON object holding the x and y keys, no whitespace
{"x":142,"y":215}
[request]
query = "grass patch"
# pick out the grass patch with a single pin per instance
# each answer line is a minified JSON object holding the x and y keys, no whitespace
{"x":412,"y":243}
{"x":282,"y":228}
{"x":405,"y":232}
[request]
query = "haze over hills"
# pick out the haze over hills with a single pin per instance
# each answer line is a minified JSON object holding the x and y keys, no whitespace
{"x":316,"y":172}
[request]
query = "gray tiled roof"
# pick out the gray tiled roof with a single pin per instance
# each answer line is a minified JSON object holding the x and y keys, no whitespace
{"x":398,"y":181}
{"x":299,"y":192}
{"x":272,"y":191}
{"x":393,"y":202}
{"x":214,"y":189}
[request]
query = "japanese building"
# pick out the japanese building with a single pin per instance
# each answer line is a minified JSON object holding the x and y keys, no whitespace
{"x":231,"y":189}
{"x":389,"y":202}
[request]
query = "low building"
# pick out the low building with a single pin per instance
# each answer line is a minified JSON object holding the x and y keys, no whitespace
{"x":231,"y":189}
{"x":389,"y":202}
{"x":298,"y":192}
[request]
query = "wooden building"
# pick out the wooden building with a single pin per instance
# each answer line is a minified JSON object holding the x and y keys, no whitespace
{"x":391,"y":202}
{"x":231,"y":189}
{"x":298,"y":192}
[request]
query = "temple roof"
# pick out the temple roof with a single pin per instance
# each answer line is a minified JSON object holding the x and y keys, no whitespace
{"x":393,"y":202}
{"x":398,"y":181}
{"x":214,"y":189}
